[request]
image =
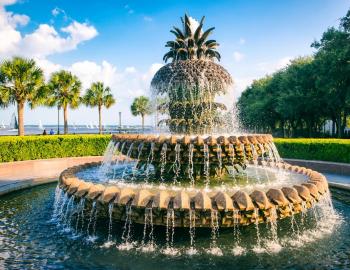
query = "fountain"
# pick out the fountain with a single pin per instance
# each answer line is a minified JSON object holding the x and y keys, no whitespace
{"x":199,"y":175}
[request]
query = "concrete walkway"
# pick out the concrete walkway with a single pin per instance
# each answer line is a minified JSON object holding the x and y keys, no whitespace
{"x":23,"y":174}
{"x":322,"y":166}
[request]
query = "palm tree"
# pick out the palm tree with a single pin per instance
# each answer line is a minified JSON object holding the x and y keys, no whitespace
{"x":64,"y":90}
{"x":141,"y":106}
{"x":98,"y":96}
{"x":191,"y":42}
{"x":21,"y":81}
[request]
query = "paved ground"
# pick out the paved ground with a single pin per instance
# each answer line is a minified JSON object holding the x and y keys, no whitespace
{"x":23,"y":174}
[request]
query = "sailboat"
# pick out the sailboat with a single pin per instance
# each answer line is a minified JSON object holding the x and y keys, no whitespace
{"x":14,"y":122}
{"x":40,"y":126}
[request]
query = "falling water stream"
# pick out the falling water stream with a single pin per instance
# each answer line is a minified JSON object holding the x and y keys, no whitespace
{"x":163,"y":161}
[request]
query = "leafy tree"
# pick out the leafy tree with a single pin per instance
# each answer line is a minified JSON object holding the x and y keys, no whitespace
{"x":21,"y":81}
{"x":191,"y":42}
{"x":141,"y":106}
{"x":63,"y":91}
{"x":99,"y":96}
{"x":333,"y":65}
{"x":299,"y":98}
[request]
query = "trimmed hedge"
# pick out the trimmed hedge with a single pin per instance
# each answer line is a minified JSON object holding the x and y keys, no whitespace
{"x":335,"y":150}
{"x":14,"y":148}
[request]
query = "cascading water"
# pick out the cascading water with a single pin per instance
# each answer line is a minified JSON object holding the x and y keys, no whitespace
{"x":177,"y":164}
{"x":206,"y":164}
{"x":92,"y":223}
{"x":192,"y":230}
{"x":148,"y":239}
{"x":163,"y":160}
{"x":126,"y":235}
{"x":214,"y":223}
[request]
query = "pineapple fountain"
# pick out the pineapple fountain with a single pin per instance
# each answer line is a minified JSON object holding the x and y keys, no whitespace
{"x":198,"y":175}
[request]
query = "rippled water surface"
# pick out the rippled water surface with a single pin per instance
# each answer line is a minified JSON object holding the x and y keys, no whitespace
{"x":29,"y":240}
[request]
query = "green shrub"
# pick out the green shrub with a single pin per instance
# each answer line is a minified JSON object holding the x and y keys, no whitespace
{"x":336,"y":150}
{"x":14,"y":148}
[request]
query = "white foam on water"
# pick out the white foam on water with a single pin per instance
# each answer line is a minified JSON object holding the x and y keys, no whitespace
{"x":191,"y":251}
{"x":170,"y":251}
{"x":216,"y":251}
{"x":258,"y":249}
{"x":295,"y":242}
{"x":126,"y":246}
{"x":107,"y":244}
{"x":147,"y":248}
{"x":325,"y":227}
{"x":273,"y":247}
{"x":238,"y":251}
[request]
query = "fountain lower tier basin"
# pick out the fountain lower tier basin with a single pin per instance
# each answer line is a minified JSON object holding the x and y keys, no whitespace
{"x":194,"y":207}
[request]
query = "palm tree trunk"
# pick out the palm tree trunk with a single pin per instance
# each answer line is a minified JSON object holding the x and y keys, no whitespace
{"x":20,"y":112}
{"x":100,"y":118}
{"x":65,"y":119}
{"x":143,"y":122}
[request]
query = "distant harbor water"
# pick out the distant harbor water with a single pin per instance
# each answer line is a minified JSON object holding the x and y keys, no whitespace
{"x":78,"y":129}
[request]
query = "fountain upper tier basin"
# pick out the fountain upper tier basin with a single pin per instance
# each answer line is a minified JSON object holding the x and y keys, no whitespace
{"x":195,"y":157}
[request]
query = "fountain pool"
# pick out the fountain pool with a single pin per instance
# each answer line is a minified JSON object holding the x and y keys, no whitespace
{"x":31,"y":240}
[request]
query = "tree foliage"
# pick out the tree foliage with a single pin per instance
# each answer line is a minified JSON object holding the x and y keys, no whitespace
{"x":298,"y":99}
{"x":99,"y":96}
{"x":21,"y":81}
{"x":141,"y":106}
{"x":63,"y":91}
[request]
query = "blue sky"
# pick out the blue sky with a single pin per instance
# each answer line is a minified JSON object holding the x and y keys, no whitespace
{"x":122,"y":42}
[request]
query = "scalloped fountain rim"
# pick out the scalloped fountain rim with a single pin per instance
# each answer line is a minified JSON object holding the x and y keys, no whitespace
{"x":233,"y":207}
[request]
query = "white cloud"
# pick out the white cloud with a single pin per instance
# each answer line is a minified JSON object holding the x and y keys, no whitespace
{"x":237,"y":56}
{"x":47,"y":66}
{"x":80,"y":32}
{"x":43,"y":41}
{"x":151,"y":71}
{"x":241,"y":41}
{"x":89,"y":72}
{"x":7,"y":2}
{"x":270,"y":67}
{"x":193,"y":24}
{"x":130,"y":70}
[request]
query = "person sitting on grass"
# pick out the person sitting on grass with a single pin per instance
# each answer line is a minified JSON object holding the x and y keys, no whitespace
{"x":52,"y":132}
